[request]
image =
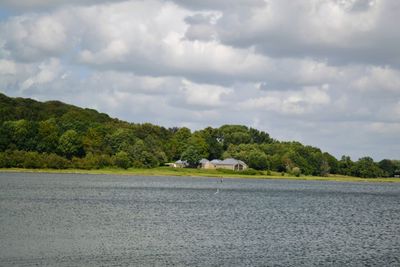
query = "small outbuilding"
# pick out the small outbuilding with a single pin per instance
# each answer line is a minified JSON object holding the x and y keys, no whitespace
{"x":180,"y":164}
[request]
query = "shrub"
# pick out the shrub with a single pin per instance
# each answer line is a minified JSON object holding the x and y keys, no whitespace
{"x":3,"y":160}
{"x":54,"y":161}
{"x":33,"y":160}
{"x":15,"y":158}
{"x":248,"y":171}
{"x":251,"y":171}
{"x":121,"y":160}
{"x":296,"y":171}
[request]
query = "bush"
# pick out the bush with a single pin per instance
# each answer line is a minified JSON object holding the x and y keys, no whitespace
{"x":54,"y":161}
{"x":3,"y":160}
{"x":121,"y":160}
{"x":296,"y":171}
{"x":104,"y":161}
{"x":258,"y":160}
{"x":251,"y":171}
{"x":248,"y":171}
{"x":33,"y":160}
{"x":15,"y":158}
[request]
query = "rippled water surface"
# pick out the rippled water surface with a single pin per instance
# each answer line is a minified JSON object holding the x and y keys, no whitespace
{"x":92,"y":220}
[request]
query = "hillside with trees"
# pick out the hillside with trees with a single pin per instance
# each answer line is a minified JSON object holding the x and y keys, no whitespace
{"x":56,"y":135}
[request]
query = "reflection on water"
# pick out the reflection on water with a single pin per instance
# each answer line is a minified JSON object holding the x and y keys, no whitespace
{"x":91,"y":220}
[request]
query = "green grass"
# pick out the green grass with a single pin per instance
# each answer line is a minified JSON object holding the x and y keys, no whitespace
{"x":168,"y":171}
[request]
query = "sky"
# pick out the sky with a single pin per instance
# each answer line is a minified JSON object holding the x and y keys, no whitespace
{"x":322,"y":72}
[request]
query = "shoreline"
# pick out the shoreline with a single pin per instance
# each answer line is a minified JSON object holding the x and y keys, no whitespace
{"x":163,"y":171}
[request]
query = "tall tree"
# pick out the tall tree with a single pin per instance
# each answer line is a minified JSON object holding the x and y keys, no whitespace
{"x":70,"y":144}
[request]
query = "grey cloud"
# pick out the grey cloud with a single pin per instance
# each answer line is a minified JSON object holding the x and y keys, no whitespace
{"x":201,"y":27}
{"x":47,"y":4}
{"x":317,"y":29}
{"x":218,"y":5}
{"x":356,"y":5}
{"x":199,"y":19}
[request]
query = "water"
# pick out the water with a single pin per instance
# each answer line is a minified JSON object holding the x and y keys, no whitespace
{"x":107,"y":220}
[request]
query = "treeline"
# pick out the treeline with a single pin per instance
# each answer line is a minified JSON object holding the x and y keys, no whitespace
{"x":56,"y":135}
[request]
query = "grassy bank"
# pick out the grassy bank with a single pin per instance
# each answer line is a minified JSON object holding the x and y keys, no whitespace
{"x":167,"y":171}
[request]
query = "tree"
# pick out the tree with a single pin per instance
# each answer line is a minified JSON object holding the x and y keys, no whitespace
{"x":366,"y":168}
{"x":345,"y":165}
{"x":324,"y":169}
{"x":179,"y":143}
{"x":332,"y":163}
{"x":388,"y":167}
{"x":192,"y":156}
{"x":259,"y":137}
{"x":120,"y":139}
{"x":234,"y":134}
{"x":70,"y":144}
{"x":200,"y":144}
{"x":48,"y":135}
{"x":215,"y":148}
{"x":93,"y":140}
{"x":258,"y":160}
{"x":24,"y":134}
{"x":5,"y":136}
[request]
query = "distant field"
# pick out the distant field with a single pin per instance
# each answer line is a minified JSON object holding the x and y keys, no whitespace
{"x":167,"y":171}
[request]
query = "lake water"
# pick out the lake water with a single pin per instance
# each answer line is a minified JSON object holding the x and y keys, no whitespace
{"x":103,"y":220}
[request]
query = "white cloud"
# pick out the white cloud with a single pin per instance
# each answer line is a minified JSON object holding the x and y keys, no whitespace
{"x":290,"y":102}
{"x":384,"y":128}
{"x":46,"y":73}
{"x":7,"y":67}
{"x":30,"y":38}
{"x":377,"y":78}
{"x":204,"y":94}
{"x":325,"y":72}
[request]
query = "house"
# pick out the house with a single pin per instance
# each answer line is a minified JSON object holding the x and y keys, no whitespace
{"x":206,"y":164}
{"x":230,"y":164}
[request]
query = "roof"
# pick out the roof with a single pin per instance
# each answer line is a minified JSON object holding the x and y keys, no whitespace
{"x":231,"y":161}
{"x":215,"y":161}
{"x":181,"y":162}
{"x":203,"y":161}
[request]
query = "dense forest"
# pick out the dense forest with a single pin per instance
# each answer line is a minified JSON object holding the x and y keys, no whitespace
{"x":57,"y":135}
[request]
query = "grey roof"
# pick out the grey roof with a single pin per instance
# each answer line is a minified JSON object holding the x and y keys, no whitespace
{"x":203,"y":161}
{"x":181,"y":162}
{"x":231,"y":161}
{"x":215,"y":161}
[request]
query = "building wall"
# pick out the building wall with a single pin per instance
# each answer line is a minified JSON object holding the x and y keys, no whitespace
{"x":211,"y":166}
{"x":208,"y":165}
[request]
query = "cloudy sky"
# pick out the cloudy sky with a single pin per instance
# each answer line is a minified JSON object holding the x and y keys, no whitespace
{"x":322,"y":72}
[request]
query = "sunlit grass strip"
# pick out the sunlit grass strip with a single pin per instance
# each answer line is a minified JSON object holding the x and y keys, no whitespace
{"x":167,"y":171}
